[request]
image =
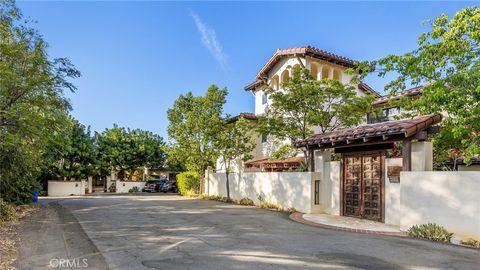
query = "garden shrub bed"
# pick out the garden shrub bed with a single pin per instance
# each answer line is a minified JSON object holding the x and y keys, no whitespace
{"x":247,"y":201}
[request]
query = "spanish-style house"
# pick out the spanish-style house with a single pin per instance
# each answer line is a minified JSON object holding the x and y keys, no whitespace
{"x":364,"y":180}
{"x":322,"y":65}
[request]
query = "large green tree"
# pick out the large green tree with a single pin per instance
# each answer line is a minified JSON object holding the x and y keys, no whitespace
{"x":194,"y":126}
{"x":234,"y":144}
{"x":33,"y":107}
{"x":446,"y":63}
{"x":77,"y":157}
{"x":123,"y":151}
{"x":305,"y":103}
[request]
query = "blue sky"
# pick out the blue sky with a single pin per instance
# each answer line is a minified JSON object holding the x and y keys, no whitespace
{"x":136,"y":58}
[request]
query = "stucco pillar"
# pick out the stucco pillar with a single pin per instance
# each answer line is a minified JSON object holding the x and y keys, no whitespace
{"x":319,"y":72}
{"x":320,"y":158}
{"x":330,"y":73}
{"x":422,"y":156}
{"x":90,"y":184}
{"x":82,"y":187}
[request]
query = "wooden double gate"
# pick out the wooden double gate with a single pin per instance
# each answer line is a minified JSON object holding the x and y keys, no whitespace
{"x":363,"y":186}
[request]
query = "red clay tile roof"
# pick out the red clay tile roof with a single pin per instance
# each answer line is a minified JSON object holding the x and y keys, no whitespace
{"x":245,"y":115}
{"x":291,"y":162}
{"x":405,"y":128}
{"x":369,"y":90}
{"x":412,"y":92}
{"x":300,"y":51}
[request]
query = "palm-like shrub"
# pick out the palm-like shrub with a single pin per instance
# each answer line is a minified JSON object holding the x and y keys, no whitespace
{"x":430,"y":231}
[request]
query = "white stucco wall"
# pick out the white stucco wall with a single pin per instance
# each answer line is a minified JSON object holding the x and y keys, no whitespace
{"x":66,"y":188}
{"x":450,"y":199}
{"x":392,"y":194}
{"x":330,"y":189}
{"x":125,"y":186}
{"x":288,"y":189}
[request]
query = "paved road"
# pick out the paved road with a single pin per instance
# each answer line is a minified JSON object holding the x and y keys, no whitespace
{"x":172,"y":232}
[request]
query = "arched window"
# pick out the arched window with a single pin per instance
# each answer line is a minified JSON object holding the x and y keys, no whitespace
{"x":337,"y":74}
{"x":285,"y":75}
{"x":274,"y":83}
{"x":314,"y":70}
{"x":325,"y":72}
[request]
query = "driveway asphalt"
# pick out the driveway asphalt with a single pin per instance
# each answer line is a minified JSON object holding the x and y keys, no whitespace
{"x":173,"y":232}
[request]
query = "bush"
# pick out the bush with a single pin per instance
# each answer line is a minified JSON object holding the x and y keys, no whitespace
{"x":246,"y":201}
{"x":471,"y":242}
{"x":7,"y":212}
{"x":217,"y":198}
{"x":188,"y":183}
{"x":267,"y":205}
{"x":430,"y":231}
{"x":133,"y":189}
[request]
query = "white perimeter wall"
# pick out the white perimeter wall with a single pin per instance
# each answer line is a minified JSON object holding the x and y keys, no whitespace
{"x":66,"y":188}
{"x":450,"y":199}
{"x":392,"y":194}
{"x":287,"y":189}
{"x":125,"y":186}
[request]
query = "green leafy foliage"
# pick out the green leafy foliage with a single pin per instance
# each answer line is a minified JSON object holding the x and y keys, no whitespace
{"x":246,"y":201}
{"x":284,"y":151}
{"x":430,"y":231}
{"x":133,"y":190}
{"x":446,"y":63}
{"x":217,"y":198}
{"x":234,"y":143}
{"x":77,"y":155}
{"x":194,"y":125}
{"x":124,"y":150}
{"x":306,"y":102}
{"x":471,"y":242}
{"x":188,"y":183}
{"x":7,"y":212}
{"x":33,"y":107}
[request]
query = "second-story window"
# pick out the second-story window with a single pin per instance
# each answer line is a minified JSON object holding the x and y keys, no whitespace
{"x":387,"y":114}
{"x":264,"y":99}
{"x":264,"y":137}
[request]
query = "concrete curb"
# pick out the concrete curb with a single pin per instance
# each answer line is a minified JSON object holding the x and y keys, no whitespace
{"x":298,"y":217}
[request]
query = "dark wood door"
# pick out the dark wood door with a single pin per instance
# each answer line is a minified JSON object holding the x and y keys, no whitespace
{"x":362,"y":186}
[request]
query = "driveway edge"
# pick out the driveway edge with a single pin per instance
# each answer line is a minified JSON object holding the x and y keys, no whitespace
{"x":298,"y":217}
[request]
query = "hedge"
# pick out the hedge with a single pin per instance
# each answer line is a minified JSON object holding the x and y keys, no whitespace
{"x":188,"y":183}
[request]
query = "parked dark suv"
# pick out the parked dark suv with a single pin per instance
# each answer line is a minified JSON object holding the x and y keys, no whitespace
{"x":154,"y":185}
{"x":170,"y":186}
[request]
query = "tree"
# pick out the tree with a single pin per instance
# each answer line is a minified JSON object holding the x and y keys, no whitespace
{"x":124,"y":151}
{"x":194,"y":125}
{"x":234,"y":144}
{"x":305,"y":103}
{"x":446,"y":63}
{"x":77,"y":160}
{"x":33,"y":107}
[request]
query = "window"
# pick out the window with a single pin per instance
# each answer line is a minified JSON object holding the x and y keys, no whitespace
{"x":325,"y":72}
{"x":274,"y":82}
{"x":387,"y":114}
{"x":337,"y":75}
{"x":264,"y":138}
{"x":285,"y":76}
{"x":264,"y":99}
{"x":317,"y":192}
{"x":314,"y":70}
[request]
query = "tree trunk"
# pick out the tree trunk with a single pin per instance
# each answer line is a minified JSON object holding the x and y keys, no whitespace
{"x":228,"y":186}
{"x":202,"y":180}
